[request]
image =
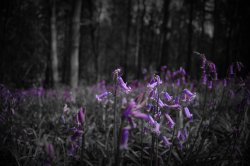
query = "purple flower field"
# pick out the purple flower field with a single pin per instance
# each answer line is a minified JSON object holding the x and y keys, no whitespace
{"x":165,"y":119}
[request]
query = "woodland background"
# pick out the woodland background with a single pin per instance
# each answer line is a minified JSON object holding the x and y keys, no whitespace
{"x":51,"y":42}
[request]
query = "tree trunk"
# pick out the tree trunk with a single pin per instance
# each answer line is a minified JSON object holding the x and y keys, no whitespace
{"x":215,"y":22}
{"x":138,"y":56}
{"x":53,"y":53}
{"x":125,"y":65}
{"x":190,"y":37}
{"x":164,"y":31}
{"x":74,"y":56}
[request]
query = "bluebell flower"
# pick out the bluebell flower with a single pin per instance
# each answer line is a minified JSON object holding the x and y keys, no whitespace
{"x":101,"y":96}
{"x":123,"y":85}
{"x":166,"y":141}
{"x":124,"y":138}
{"x":187,"y":113}
{"x":170,"y":121}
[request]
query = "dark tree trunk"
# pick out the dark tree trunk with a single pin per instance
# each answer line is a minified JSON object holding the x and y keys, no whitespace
{"x":215,"y":22}
{"x":126,"y":48}
{"x":203,"y":19}
{"x":164,"y":33}
{"x":53,"y":53}
{"x":190,"y":37}
{"x":74,"y":56}
{"x":138,"y":60}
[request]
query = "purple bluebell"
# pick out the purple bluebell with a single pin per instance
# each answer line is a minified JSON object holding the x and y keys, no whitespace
{"x":177,"y":100}
{"x":204,"y":79}
{"x":71,"y":149}
{"x":166,"y":141}
{"x":188,"y":95}
{"x":210,"y":84}
{"x":101,"y":96}
{"x":140,"y":115}
{"x":170,"y":121}
{"x":152,"y":85}
{"x":124,"y":138}
{"x":76,"y":135}
{"x":187,"y":113}
{"x":128,"y":110}
{"x":167,"y":96}
{"x":150,"y":120}
{"x":163,"y":68}
{"x":188,"y":92}
{"x":231,"y":70}
{"x":160,"y":103}
{"x":80,"y":116}
{"x":123,"y":85}
{"x":49,"y":148}
{"x":182,"y":71}
{"x":182,"y":134}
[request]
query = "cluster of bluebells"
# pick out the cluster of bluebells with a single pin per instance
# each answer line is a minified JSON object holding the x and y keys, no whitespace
{"x":209,"y":73}
{"x":77,"y":132}
{"x":235,"y":68}
{"x":178,"y":76}
{"x":152,"y":108}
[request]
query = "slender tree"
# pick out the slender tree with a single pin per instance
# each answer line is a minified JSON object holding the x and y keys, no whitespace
{"x":140,"y":21}
{"x":126,"y":48}
{"x":164,"y":33}
{"x":53,"y":53}
{"x":215,"y":22}
{"x":74,"y":56}
{"x":190,"y":36}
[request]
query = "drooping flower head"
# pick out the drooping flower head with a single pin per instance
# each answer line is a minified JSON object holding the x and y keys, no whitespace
{"x":166,"y":141}
{"x":182,"y":134}
{"x":163,"y":68}
{"x":167,"y":96}
{"x":154,"y":82}
{"x":187,"y":113}
{"x":160,"y":103}
{"x":170,"y":121}
{"x":101,"y":96}
{"x":188,"y":95}
{"x":182,"y":71}
{"x":49,"y":149}
{"x":80,"y":118}
{"x":140,"y":115}
{"x":123,"y":85}
{"x":124,"y":138}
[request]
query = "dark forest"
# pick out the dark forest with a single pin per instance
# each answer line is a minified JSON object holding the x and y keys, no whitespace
{"x":124,"y":82}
